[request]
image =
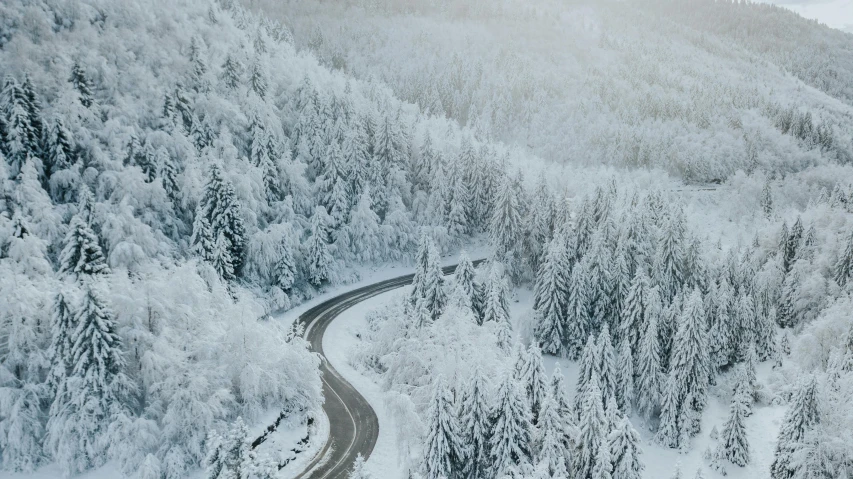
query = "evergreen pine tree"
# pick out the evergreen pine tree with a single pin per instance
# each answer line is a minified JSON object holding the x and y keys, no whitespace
{"x":551,"y":298}
{"x":94,"y":390}
{"x":505,"y":225}
{"x":464,"y":276}
{"x":591,"y":430}
{"x":721,"y":330}
{"x":261,"y":154}
{"x":800,"y":417}
{"x":445,"y":448}
{"x":475,"y":413}
{"x":578,"y":323}
{"x":82,"y":256}
{"x":17,"y":130}
{"x":59,"y":352}
{"x":669,"y":260}
{"x":589,"y":368}
{"x":539,"y":224}
{"x":428,"y":281}
{"x":59,"y":152}
{"x":285,"y":268}
{"x":792,"y":243}
{"x":603,"y":467}
{"x":624,"y":445}
{"x":231,"y":72}
{"x":218,"y":214}
{"x":689,"y":374}
{"x":564,"y":407}
{"x":607,"y":364}
{"x":457,"y":215}
{"x":496,"y":303}
{"x":319,"y":255}
{"x":364,"y":232}
{"x":220,"y":257}
{"x":669,"y":428}
{"x":844,"y":265}
{"x":169,"y":111}
{"x":551,"y":449}
{"x":215,"y":461}
{"x":767,"y":200}
{"x":747,"y":325}
{"x":625,"y":395}
{"x":81,"y":82}
{"x":258,"y":78}
{"x":534,"y":380}
{"x":198,"y":67}
{"x":734,"y":445}
{"x":169,"y":178}
{"x":36,"y":131}
{"x":787,"y":315}
{"x":509,"y":443}
{"x":633,"y":310}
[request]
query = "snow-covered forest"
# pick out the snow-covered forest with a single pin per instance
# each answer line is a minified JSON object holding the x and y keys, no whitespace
{"x":664,"y":190}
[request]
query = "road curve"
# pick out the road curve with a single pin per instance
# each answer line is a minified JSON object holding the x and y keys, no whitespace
{"x":353,"y":426}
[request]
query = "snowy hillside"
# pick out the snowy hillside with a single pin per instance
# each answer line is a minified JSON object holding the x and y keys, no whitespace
{"x":665,"y":189}
{"x":173,"y":173}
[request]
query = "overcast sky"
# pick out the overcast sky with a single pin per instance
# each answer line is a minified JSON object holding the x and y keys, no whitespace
{"x":835,"y":13}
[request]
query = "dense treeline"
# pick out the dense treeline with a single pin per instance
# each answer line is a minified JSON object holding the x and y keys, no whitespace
{"x":170,"y":176}
{"x":655,"y":321}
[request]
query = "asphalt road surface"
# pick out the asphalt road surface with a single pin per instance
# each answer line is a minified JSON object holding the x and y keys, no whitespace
{"x":353,"y":426}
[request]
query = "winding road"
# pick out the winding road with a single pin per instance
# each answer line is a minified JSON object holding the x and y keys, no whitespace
{"x":353,"y":425}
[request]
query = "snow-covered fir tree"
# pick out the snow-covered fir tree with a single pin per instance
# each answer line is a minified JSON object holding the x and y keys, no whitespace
{"x":589,"y":367}
{"x":509,"y":442}
{"x":578,"y":322}
{"x":800,"y":417}
{"x":685,"y":393}
{"x":94,"y":391}
{"x":464,"y":276}
{"x":844,"y":265}
{"x":625,"y":392}
{"x":82,"y":255}
{"x":505,"y":225}
{"x":734,"y":445}
{"x":364,"y":231}
{"x":565,"y":408}
{"x":475,"y":413}
{"x":530,"y":373}
{"x":446,"y":449}
{"x":592,"y":431}
{"x":624,"y":443}
{"x":321,"y":263}
{"x":607,"y":365}
{"x":61,"y":329}
{"x":496,"y":296}
{"x":550,"y":432}
{"x":551,"y":298}
{"x":428,"y":282}
{"x":219,"y":233}
{"x":603,"y":468}
{"x":633,"y":310}
{"x":83,"y":84}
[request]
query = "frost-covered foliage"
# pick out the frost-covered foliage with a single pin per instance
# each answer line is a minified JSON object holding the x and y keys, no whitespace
{"x":170,"y":174}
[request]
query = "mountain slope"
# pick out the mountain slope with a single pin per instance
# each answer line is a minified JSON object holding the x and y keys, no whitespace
{"x":634,"y":84}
